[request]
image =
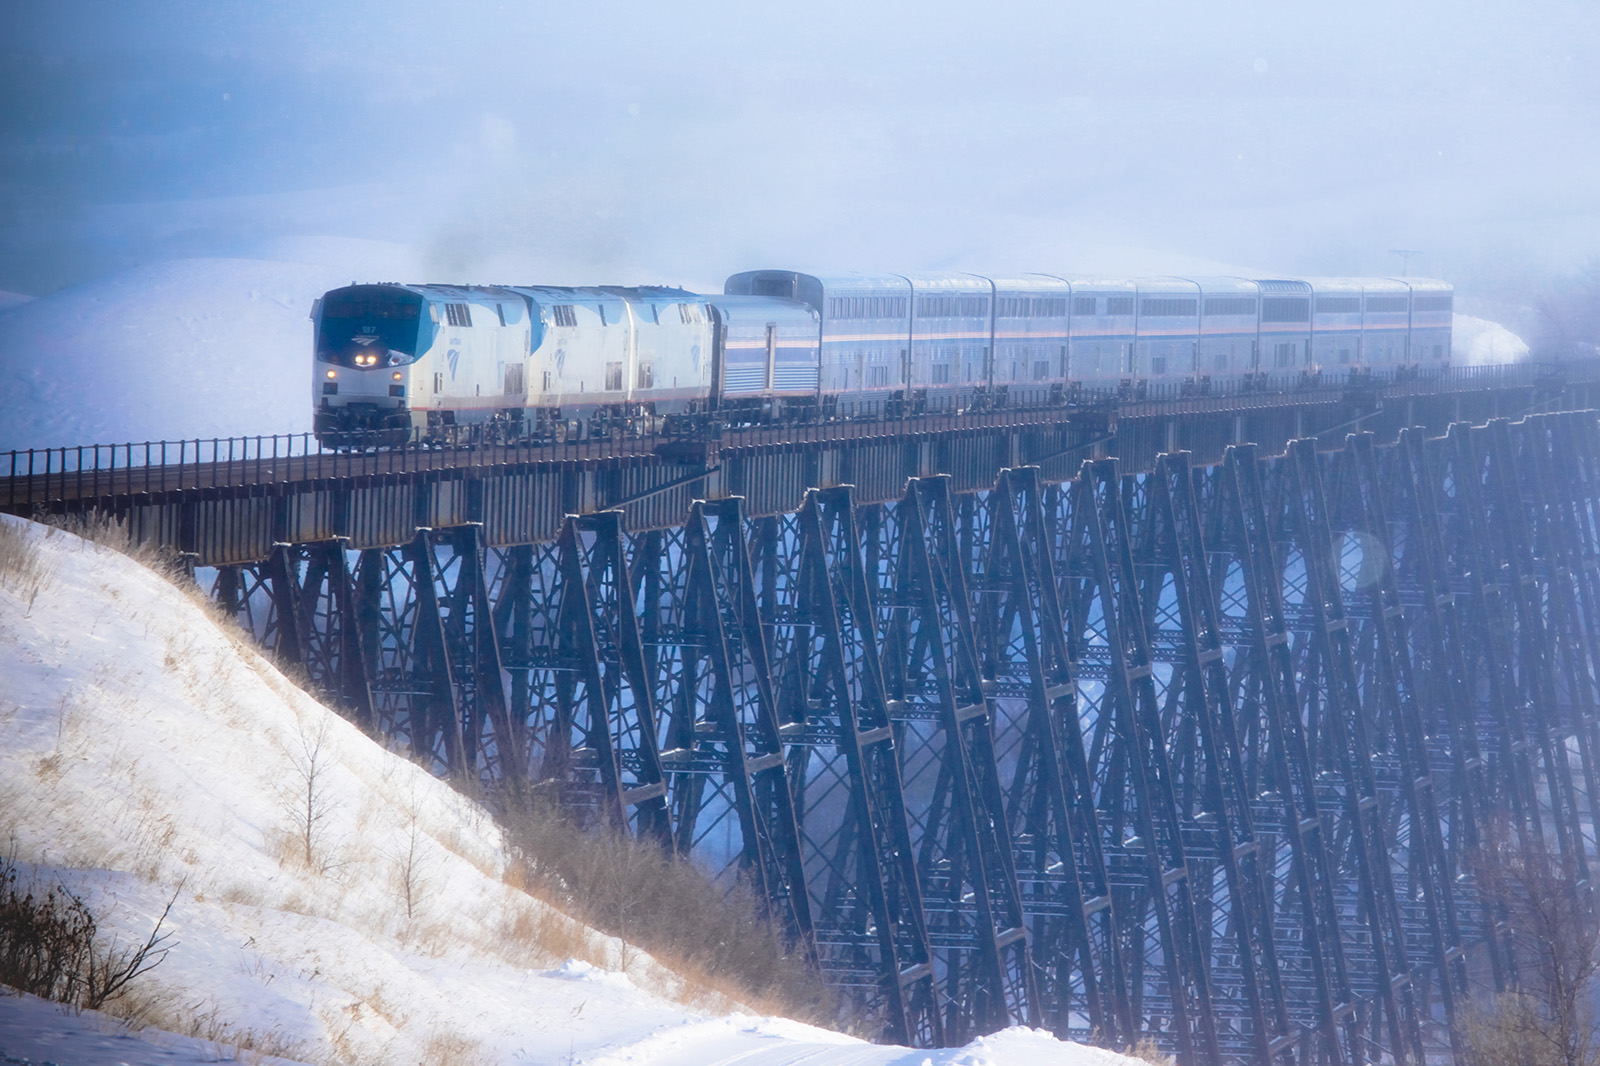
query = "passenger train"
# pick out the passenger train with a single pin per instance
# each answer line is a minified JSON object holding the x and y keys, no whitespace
{"x":407,"y":362}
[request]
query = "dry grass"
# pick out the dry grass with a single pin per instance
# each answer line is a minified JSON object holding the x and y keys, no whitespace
{"x":454,"y":1049}
{"x":161,"y":1008}
{"x":22,"y":568}
{"x":1147,"y":1050}
{"x":541,"y":934}
{"x":115,"y":534}
{"x":715,"y":938}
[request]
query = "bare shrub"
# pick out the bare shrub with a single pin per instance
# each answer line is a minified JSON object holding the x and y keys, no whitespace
{"x":412,"y":863}
{"x":1549,"y":1018}
{"x":712,"y":935}
{"x":50,"y":946}
{"x":305,"y":797}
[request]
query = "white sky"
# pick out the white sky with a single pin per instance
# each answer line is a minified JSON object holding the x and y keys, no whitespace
{"x":626,"y":142}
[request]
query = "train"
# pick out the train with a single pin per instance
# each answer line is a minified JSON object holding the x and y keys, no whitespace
{"x":401,"y":363}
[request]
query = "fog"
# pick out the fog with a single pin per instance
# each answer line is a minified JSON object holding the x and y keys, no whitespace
{"x":609,"y":142}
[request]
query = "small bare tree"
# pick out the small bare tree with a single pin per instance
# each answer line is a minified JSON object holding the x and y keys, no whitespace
{"x":306,"y":797}
{"x":411,"y":862}
{"x":1549,"y":1018}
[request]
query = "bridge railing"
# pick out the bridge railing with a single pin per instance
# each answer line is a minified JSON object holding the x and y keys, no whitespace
{"x":38,"y":475}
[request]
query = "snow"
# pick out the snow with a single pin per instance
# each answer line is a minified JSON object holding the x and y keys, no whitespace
{"x":34,"y":1030}
{"x":1479,"y":342}
{"x":149,"y":754}
{"x":186,"y":348}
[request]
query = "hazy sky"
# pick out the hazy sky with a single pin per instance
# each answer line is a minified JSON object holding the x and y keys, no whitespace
{"x":630,"y":142}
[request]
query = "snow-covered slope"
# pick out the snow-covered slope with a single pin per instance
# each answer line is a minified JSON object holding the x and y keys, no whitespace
{"x":149,"y":754}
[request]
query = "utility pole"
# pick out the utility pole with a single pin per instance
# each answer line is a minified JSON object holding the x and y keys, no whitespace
{"x":1405,"y":255}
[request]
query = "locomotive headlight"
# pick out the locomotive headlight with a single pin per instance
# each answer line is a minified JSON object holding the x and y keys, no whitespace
{"x":333,"y":373}
{"x":397,"y":375}
{"x":366,"y":360}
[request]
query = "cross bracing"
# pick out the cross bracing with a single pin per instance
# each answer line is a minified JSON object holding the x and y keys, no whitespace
{"x":1197,"y":753}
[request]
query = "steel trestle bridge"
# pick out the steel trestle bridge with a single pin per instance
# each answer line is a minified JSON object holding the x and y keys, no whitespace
{"x":1192,"y":743}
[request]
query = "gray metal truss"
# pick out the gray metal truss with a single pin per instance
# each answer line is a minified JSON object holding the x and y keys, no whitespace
{"x":1198,"y":754}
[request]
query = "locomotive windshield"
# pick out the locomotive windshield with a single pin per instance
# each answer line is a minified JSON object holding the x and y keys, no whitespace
{"x":371,"y":325}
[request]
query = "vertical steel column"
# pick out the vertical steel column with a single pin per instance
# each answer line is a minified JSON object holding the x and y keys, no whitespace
{"x":353,"y":675}
{"x":1341,"y":736}
{"x":726,"y":738}
{"x":1215,"y":781}
{"x":1050,"y":806}
{"x":281,"y":575}
{"x":964,"y":856}
{"x":869,"y":910}
{"x":1391,"y":693}
{"x":1505,"y":727}
{"x":436,"y":732}
{"x":1545,"y":453}
{"x":1508,"y":522}
{"x":1304,"y":906}
{"x":606,"y":718}
{"x":1129,"y":749}
{"x":495,"y":741}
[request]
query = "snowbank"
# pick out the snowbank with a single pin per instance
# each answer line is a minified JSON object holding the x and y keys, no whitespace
{"x":145,"y":751}
{"x":1479,"y":342}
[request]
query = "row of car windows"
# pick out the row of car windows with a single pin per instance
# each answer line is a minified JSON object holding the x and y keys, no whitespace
{"x":1273,"y":309}
{"x":1039,"y":364}
{"x":688,"y":314}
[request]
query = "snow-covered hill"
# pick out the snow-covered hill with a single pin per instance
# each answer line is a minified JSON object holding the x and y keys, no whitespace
{"x":148,"y":754}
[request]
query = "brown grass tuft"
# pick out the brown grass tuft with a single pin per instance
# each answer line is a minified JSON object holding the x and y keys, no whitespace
{"x":22,"y":569}
{"x":713,"y":936}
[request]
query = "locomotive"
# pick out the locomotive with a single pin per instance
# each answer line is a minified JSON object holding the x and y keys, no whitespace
{"x":397,"y":363}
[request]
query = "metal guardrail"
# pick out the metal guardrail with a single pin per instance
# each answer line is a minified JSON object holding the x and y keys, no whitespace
{"x":89,"y":470}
